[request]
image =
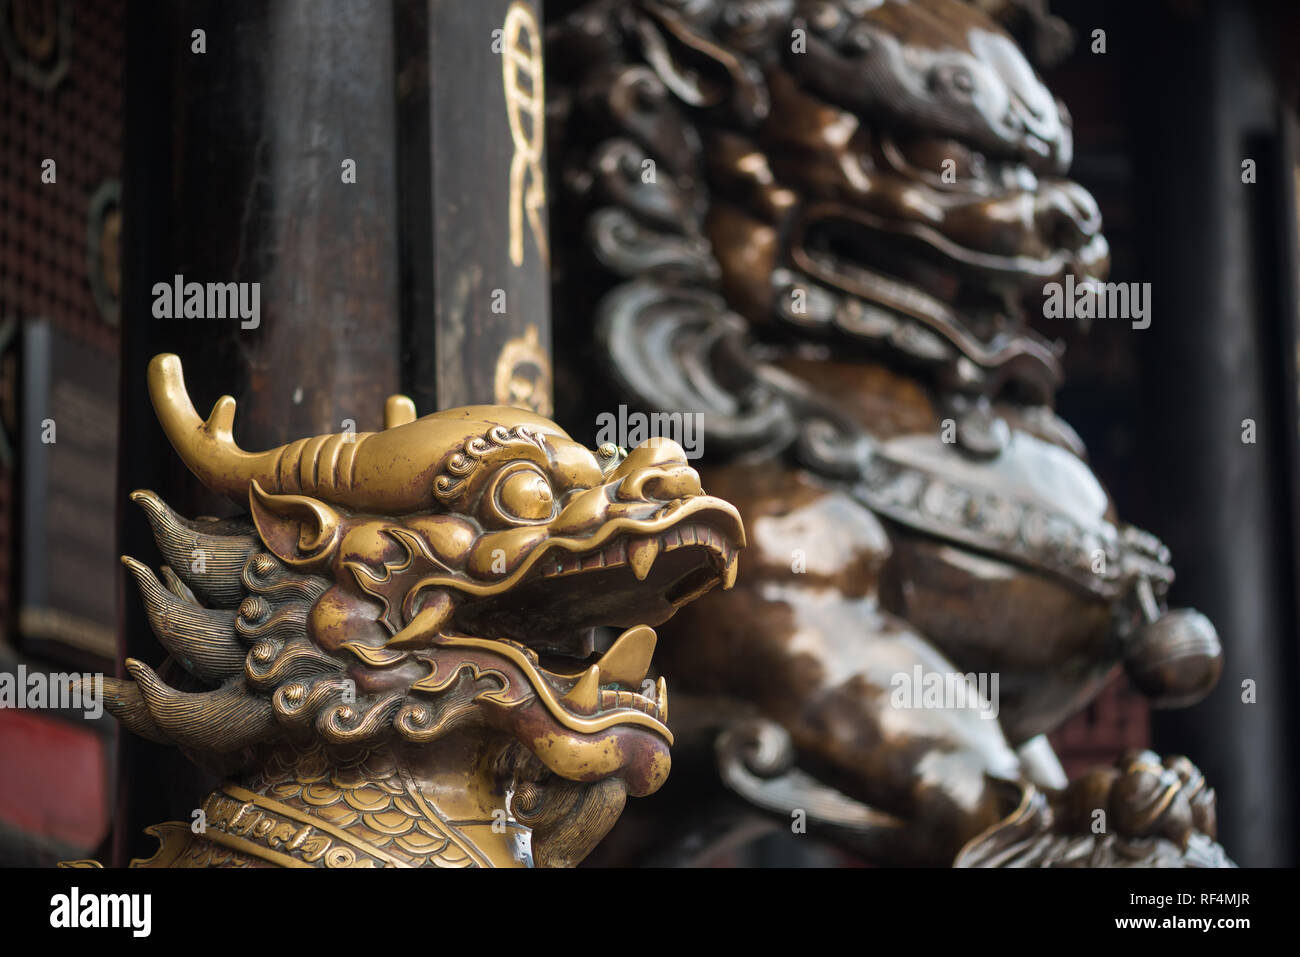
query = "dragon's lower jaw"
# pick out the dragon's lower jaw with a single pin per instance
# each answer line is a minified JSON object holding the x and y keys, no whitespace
{"x":586,"y":719}
{"x":637,"y":756}
{"x":615,"y":685}
{"x":591,"y":725}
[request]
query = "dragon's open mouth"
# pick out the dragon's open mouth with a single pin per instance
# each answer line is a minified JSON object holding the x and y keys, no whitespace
{"x":636,"y":577}
{"x":616,"y":681}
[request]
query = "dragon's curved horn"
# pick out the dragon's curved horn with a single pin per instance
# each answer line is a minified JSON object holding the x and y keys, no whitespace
{"x":323,"y":464}
{"x":391,"y":472}
{"x":208,"y":448}
{"x":398,"y":410}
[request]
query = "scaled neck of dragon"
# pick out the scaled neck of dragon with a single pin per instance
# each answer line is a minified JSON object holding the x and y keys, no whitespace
{"x":371,"y":806}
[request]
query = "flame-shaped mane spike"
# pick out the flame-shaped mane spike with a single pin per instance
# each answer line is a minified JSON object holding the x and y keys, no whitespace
{"x":221,"y":721}
{"x":203,"y":639}
{"x":207,"y":557}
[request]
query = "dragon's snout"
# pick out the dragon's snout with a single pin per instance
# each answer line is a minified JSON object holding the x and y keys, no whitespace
{"x":657,"y":470}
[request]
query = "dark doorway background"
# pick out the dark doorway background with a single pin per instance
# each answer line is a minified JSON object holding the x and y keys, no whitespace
{"x":1164,"y":119}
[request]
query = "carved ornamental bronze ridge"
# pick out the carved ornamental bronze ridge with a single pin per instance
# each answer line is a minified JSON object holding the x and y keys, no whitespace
{"x":1101,"y":558}
{"x":871,"y":307}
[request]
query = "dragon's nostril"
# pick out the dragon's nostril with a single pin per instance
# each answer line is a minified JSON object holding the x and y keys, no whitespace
{"x":674,"y":483}
{"x":660,"y":484}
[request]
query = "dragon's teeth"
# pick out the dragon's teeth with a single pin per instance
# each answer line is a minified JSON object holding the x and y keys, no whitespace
{"x":628,"y":659}
{"x":729,"y":573}
{"x":585,"y":695}
{"x":641,"y":554}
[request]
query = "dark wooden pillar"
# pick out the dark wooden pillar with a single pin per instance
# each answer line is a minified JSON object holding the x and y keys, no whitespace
{"x":475,"y":250}
{"x":1216,"y":355}
{"x":235,"y":172}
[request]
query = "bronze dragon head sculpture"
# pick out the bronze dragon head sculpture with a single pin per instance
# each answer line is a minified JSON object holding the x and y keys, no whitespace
{"x":396,"y":654}
{"x":826,"y":225}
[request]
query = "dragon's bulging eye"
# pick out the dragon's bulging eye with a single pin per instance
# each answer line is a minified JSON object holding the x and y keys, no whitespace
{"x":524,"y":494}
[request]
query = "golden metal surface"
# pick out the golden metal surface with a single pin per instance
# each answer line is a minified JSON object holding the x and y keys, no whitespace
{"x":380,"y":643}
